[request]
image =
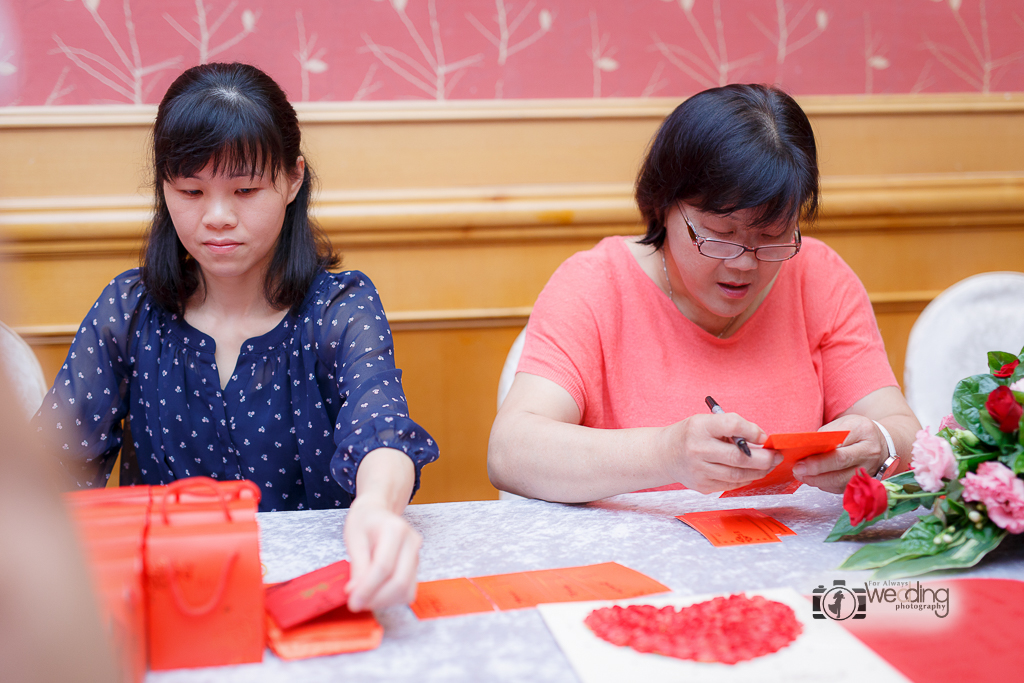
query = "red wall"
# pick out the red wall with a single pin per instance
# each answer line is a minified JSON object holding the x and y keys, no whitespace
{"x":387,"y":50}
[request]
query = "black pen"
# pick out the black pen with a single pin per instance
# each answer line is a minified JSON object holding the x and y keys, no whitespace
{"x":738,"y":440}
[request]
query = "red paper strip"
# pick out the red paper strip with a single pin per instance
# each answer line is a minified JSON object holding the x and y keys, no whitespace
{"x":449,"y":598}
{"x":607,"y":581}
{"x":793,"y":447}
{"x":308,"y":596}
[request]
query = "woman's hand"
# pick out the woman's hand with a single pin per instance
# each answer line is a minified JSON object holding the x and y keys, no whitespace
{"x":863,"y":447}
{"x":698,"y":452}
{"x":384,"y":552}
{"x":382,"y":548}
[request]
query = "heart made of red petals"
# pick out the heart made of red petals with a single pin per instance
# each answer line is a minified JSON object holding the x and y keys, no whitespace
{"x":725,"y":629}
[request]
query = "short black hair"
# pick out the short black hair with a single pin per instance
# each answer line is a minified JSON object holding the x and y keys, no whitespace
{"x":731,"y":148}
{"x":235,"y":118}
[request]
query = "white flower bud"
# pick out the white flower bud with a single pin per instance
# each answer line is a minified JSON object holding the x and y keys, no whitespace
{"x":974,"y":516}
{"x":937,"y":540}
{"x":946,"y":538}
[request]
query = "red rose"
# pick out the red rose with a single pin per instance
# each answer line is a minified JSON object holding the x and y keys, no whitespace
{"x":865,"y":498}
{"x":1004,"y":409}
{"x":1006,"y":370}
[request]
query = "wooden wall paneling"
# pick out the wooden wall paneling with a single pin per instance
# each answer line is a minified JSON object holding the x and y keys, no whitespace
{"x":459,"y":213}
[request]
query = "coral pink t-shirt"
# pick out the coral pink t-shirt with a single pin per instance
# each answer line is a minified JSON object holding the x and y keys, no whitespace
{"x":607,"y":334}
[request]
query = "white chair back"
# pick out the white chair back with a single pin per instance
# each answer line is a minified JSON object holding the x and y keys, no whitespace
{"x":508,"y":373}
{"x":952,"y":337}
{"x":22,"y":368}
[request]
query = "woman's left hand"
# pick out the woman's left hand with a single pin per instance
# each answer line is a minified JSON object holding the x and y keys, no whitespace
{"x":384,"y":553}
{"x":865,"y":446}
{"x":383,"y":549}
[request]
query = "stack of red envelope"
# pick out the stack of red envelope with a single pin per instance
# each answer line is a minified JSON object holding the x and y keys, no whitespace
{"x":307,"y":616}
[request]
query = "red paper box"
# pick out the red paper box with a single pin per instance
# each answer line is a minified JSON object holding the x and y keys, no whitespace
{"x":203,"y":580}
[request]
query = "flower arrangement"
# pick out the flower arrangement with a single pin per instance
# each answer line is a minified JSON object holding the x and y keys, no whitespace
{"x":967,"y":473}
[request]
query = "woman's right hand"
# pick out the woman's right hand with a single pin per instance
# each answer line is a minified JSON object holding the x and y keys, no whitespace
{"x":699,"y":453}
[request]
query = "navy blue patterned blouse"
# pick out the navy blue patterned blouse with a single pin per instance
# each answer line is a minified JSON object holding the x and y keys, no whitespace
{"x":305,"y":403}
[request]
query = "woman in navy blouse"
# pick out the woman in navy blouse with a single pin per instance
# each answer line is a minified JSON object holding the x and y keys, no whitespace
{"x":233,"y":353}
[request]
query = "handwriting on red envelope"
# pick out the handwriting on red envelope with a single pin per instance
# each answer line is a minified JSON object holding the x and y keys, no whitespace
{"x":607,"y":581}
{"x":745,"y":526}
{"x":308,"y":596}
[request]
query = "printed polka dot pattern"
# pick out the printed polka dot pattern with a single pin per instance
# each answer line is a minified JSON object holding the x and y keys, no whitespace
{"x":305,"y":403}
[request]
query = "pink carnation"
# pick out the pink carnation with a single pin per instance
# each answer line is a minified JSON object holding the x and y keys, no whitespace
{"x":950,"y":421}
{"x":933,"y":460}
{"x":1001,"y":491}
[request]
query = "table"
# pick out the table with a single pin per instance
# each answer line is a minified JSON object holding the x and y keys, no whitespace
{"x":638,"y":530}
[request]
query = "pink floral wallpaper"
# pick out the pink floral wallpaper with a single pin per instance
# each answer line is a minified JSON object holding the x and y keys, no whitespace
{"x":60,"y":52}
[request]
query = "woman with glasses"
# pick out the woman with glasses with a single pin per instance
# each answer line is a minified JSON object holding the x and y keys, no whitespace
{"x":721,"y":297}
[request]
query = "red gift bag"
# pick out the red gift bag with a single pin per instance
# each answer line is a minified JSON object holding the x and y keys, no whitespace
{"x":203,"y":582}
{"x":112,"y":533}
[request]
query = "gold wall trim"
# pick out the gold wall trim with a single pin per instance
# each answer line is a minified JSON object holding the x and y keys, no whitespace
{"x":467,"y":318}
{"x":51,"y":226}
{"x":459,"y":318}
{"x":505,"y":110}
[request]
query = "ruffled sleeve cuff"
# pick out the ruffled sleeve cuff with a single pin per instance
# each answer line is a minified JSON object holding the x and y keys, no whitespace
{"x":383,"y":431}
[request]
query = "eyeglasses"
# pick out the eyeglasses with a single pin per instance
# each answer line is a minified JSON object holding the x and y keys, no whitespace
{"x":725,"y":251}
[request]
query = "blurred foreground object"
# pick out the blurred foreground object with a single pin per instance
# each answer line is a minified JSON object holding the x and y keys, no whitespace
{"x":49,"y":628}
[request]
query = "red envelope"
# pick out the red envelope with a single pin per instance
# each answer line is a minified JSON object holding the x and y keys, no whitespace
{"x":335,"y":632}
{"x":449,"y":598}
{"x":793,"y":447}
{"x":612,"y":581}
{"x":308,"y":596}
{"x":519,"y":590}
{"x":728,"y":527}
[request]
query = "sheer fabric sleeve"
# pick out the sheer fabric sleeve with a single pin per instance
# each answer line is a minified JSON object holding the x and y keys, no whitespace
{"x":374,"y":411}
{"x":81,"y":415}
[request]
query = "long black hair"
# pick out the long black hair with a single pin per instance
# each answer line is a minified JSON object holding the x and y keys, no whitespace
{"x":236,"y":119}
{"x":731,"y":148}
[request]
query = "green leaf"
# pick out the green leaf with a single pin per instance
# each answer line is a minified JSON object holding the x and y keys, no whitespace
{"x":873,"y":555}
{"x":997,"y":359}
{"x":969,"y":402}
{"x":916,"y":541}
{"x":904,"y":479}
{"x":978,"y":543}
{"x":991,"y":428}
{"x":920,"y":538}
{"x":970,"y":463}
{"x":1014,"y":459}
{"x":844,"y":528}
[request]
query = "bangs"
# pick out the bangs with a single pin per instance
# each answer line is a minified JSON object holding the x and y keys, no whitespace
{"x":774,"y":185}
{"x":221,"y":130}
{"x":774,"y":189}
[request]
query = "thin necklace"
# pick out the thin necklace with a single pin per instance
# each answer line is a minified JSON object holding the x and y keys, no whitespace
{"x":671,"y":296}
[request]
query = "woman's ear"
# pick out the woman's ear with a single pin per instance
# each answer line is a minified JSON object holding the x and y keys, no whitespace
{"x":296,"y":178}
